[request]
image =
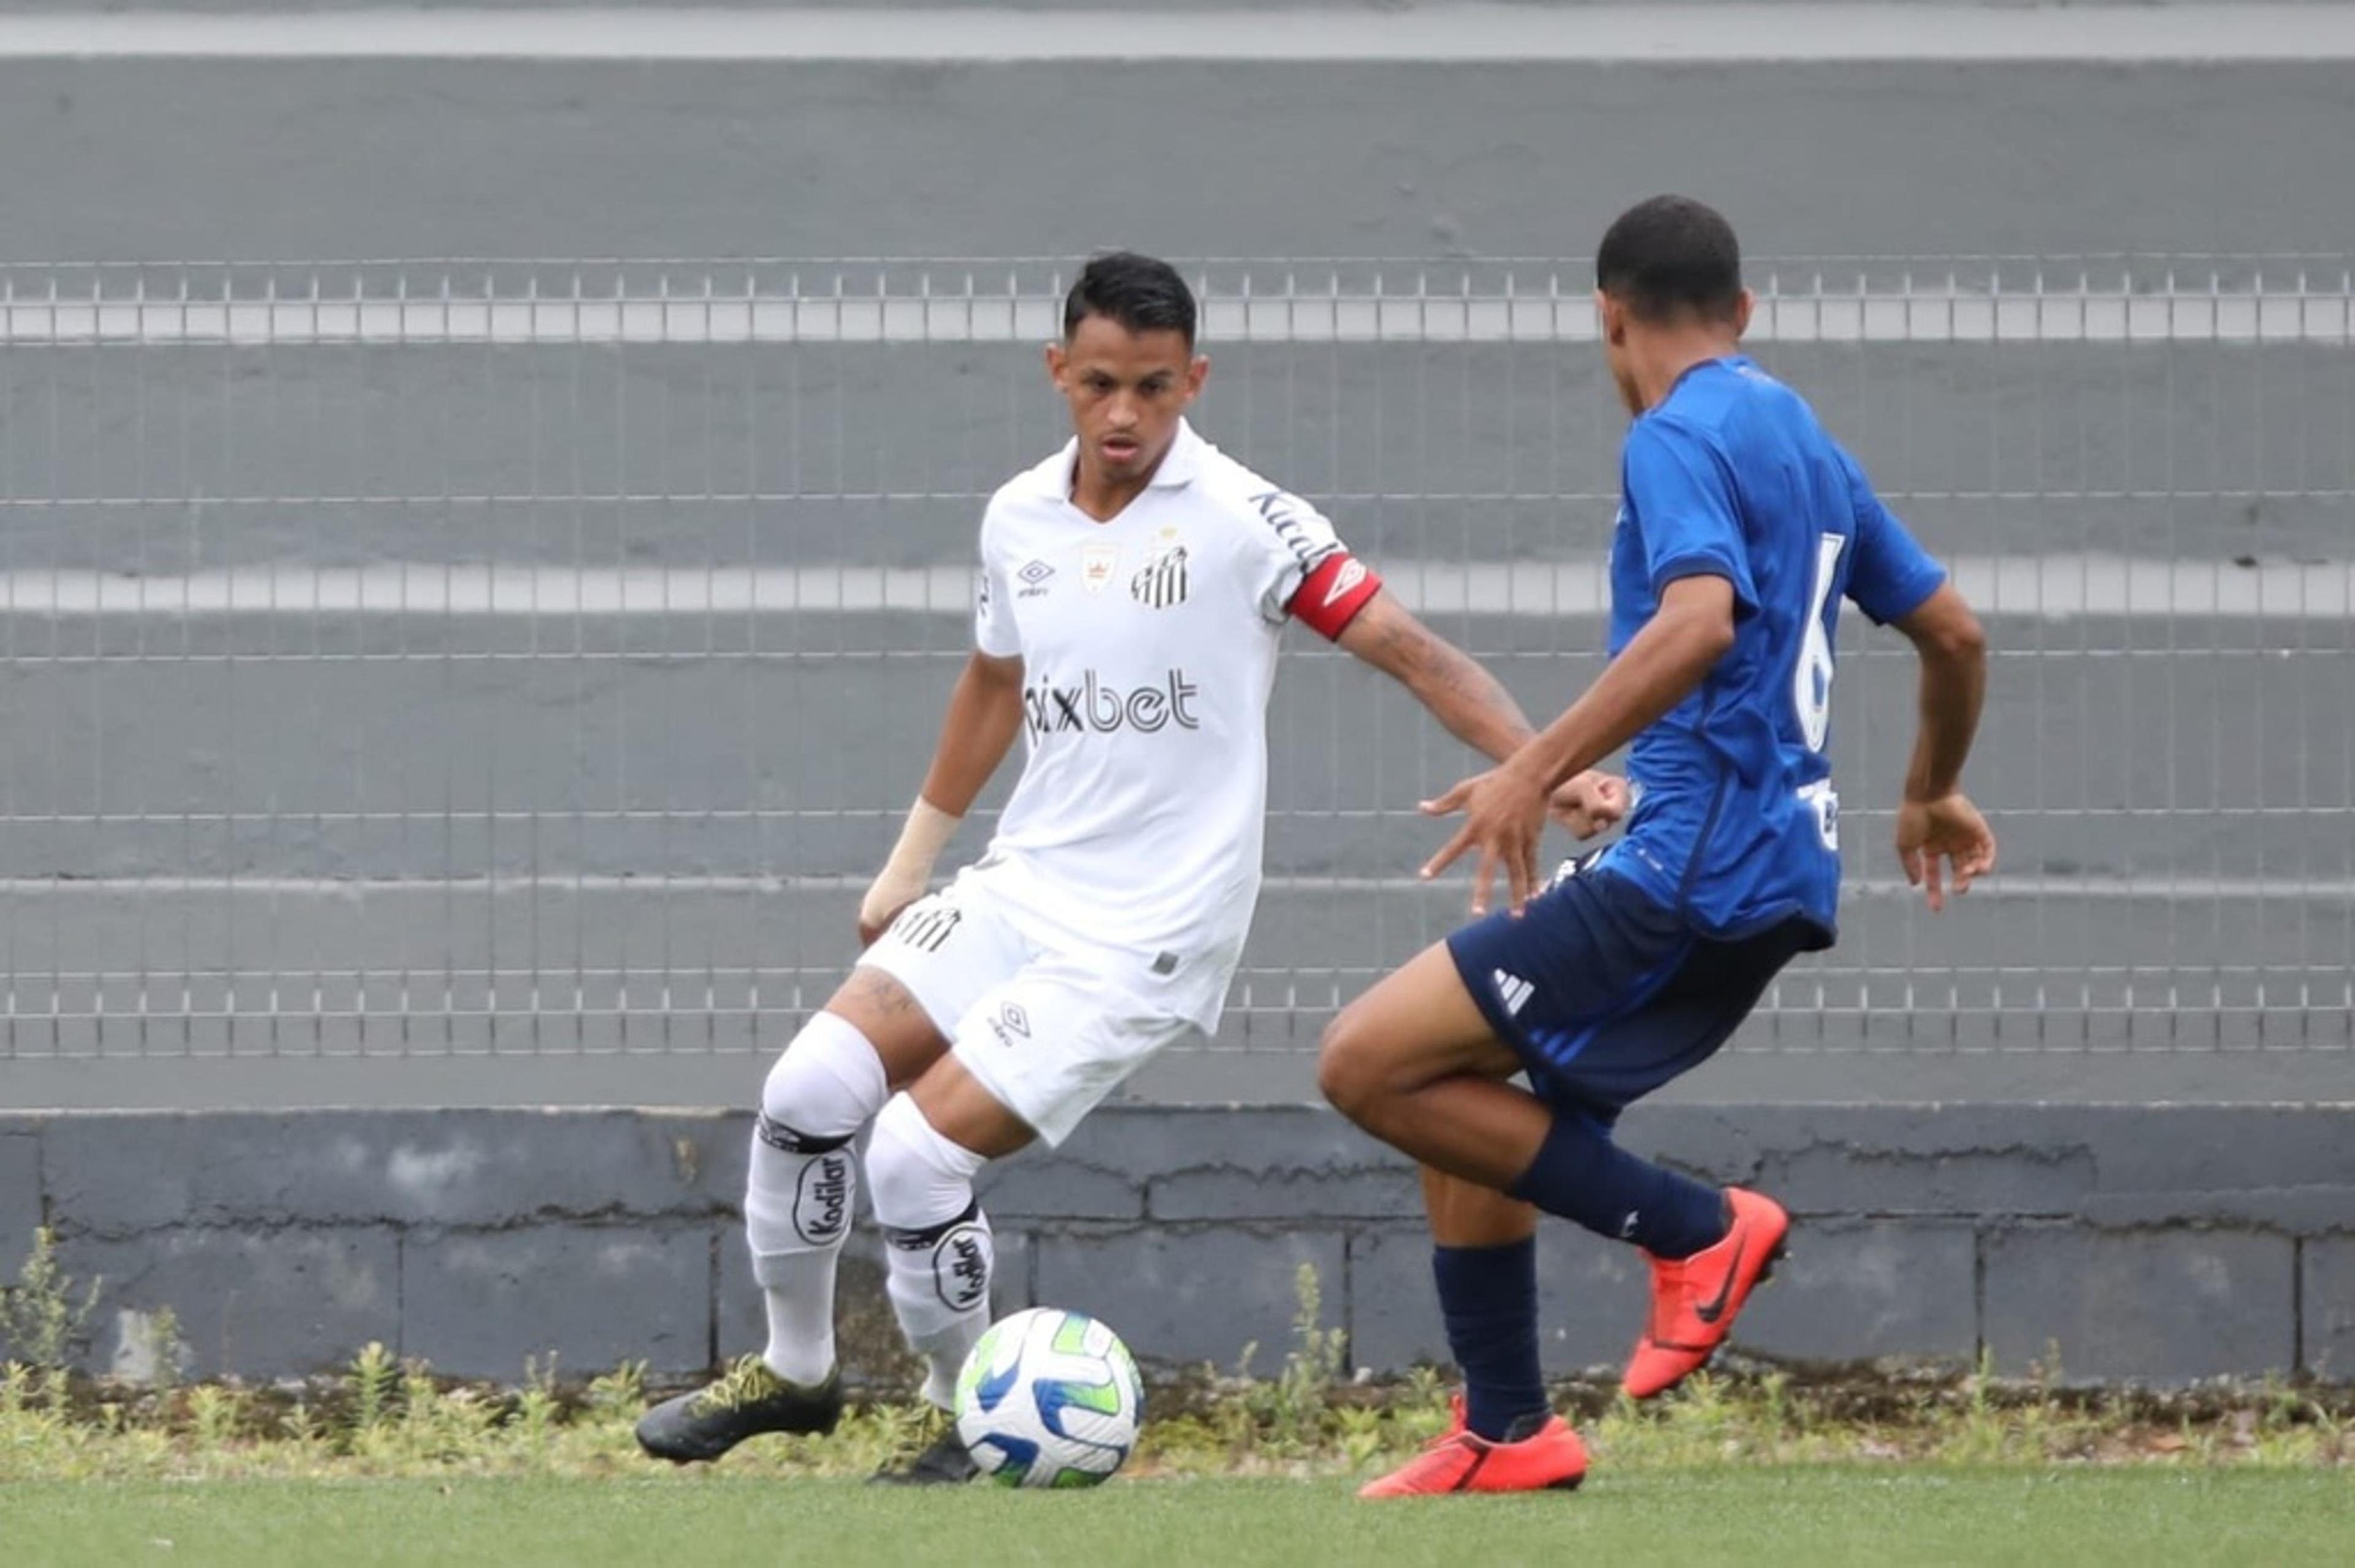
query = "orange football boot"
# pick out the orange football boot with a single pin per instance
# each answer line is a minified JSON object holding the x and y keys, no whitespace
{"x":1547,"y":1454}
{"x":1696,"y":1299}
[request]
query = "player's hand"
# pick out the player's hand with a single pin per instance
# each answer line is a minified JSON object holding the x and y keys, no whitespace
{"x":1504,"y":816}
{"x":869,"y":930}
{"x":883,"y":904}
{"x":1950,"y":830}
{"x":1591,"y":802}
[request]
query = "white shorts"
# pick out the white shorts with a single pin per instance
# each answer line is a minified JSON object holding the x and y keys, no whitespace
{"x":1048,"y":1029}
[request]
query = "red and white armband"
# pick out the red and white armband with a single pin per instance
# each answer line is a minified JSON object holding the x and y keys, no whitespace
{"x":1330,"y":597}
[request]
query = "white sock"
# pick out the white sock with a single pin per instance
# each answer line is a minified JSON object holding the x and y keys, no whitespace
{"x":965,"y":1252}
{"x":797,"y":1216}
{"x":798,"y":1196}
{"x":937,"y":1244}
{"x":801,"y":1318}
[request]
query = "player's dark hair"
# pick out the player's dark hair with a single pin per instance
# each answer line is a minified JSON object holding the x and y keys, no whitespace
{"x":1670,"y":255}
{"x":1140,"y":292}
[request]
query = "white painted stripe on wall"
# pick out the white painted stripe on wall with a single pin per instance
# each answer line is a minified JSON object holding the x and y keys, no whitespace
{"x":2003,"y":888}
{"x":1791,"y":309}
{"x":2054,"y":586}
{"x":1443,"y":32}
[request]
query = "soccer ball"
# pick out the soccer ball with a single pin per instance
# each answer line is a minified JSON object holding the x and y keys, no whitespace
{"x":1049,"y":1398}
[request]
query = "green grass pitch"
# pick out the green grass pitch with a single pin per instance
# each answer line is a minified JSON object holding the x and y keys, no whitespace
{"x":1880,"y":1515}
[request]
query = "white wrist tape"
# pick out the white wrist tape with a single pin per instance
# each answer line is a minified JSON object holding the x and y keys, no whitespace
{"x":909,"y":871}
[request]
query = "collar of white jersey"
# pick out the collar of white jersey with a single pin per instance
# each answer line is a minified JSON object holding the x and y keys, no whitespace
{"x":1179,"y":465}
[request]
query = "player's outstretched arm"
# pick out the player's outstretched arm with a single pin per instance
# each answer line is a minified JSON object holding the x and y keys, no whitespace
{"x":1474,"y":707}
{"x":1461,"y":694}
{"x":985,"y":714}
{"x":1941,"y":838}
{"x":1504,"y":809}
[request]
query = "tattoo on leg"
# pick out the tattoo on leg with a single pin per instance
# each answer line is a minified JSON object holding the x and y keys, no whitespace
{"x":873,"y":988}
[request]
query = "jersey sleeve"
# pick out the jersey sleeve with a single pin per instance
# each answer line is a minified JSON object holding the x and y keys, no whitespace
{"x":993,"y":631}
{"x":1891,"y":576}
{"x":1684,"y":509}
{"x":1304,"y":568}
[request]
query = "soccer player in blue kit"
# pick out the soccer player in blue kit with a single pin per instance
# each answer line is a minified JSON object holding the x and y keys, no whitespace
{"x":1741,"y":526}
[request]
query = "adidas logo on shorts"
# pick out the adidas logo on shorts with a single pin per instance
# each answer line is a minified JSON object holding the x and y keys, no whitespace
{"x":1514,"y":990}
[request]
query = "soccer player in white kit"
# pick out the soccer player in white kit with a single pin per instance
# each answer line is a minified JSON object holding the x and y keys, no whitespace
{"x":1133,"y":588}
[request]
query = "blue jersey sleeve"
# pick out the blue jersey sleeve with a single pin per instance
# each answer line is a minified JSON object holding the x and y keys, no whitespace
{"x":1683,"y":505}
{"x":1891,"y":576}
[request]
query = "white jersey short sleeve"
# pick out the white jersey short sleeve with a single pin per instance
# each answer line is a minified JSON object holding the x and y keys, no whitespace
{"x":1148,"y":646}
{"x":1296,"y":542}
{"x":993,"y":615}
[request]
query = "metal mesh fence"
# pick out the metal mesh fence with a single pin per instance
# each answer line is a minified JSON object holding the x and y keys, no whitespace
{"x":452,"y":658}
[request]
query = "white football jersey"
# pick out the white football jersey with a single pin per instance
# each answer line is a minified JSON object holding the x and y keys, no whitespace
{"x":1148,"y":648}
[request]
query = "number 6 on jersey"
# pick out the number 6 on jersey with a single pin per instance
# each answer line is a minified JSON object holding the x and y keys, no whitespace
{"x":1811,"y":682}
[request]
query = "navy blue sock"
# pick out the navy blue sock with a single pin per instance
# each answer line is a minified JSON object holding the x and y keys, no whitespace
{"x":1489,"y":1298}
{"x":1581,"y":1175}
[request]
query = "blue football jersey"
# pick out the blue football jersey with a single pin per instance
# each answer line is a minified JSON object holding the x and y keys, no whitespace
{"x":1736,"y":826}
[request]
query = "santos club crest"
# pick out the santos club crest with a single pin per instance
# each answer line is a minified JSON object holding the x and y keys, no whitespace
{"x":1161,"y":581}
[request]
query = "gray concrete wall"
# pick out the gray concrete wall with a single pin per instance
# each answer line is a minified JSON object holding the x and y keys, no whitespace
{"x":791,"y":767}
{"x":651,"y":861}
{"x":225,"y":158}
{"x":2153,"y":1246}
{"x":240,"y":846}
{"x":1211,"y":8}
{"x":160,"y":460}
{"x":295,"y":832}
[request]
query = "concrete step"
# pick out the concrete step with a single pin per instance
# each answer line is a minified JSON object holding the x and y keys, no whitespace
{"x":1852,"y":129}
{"x":2114,"y":746}
{"x":1224,"y":12}
{"x":159,"y":459}
{"x":2150,"y":1059}
{"x":2027,"y":964}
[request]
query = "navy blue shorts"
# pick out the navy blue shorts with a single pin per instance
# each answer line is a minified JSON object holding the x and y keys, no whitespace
{"x":1605,"y":996}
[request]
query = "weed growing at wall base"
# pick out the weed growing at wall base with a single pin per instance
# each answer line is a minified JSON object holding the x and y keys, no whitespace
{"x":43,"y":1314}
{"x":383,"y":1418}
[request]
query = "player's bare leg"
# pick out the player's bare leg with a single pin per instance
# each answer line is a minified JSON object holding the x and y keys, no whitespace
{"x":1465,"y":1214}
{"x":929,"y":1145}
{"x":1415,"y":1062}
{"x":1415,"y":1026}
{"x":870,"y":1038}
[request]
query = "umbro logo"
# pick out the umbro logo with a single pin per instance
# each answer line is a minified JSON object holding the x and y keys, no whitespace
{"x":1515,"y":991}
{"x":1348,"y":578}
{"x":1034,"y":579}
{"x":1010,"y":1024}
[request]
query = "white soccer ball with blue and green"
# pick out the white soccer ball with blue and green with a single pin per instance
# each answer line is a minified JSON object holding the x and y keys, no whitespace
{"x":1049,"y":1398}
